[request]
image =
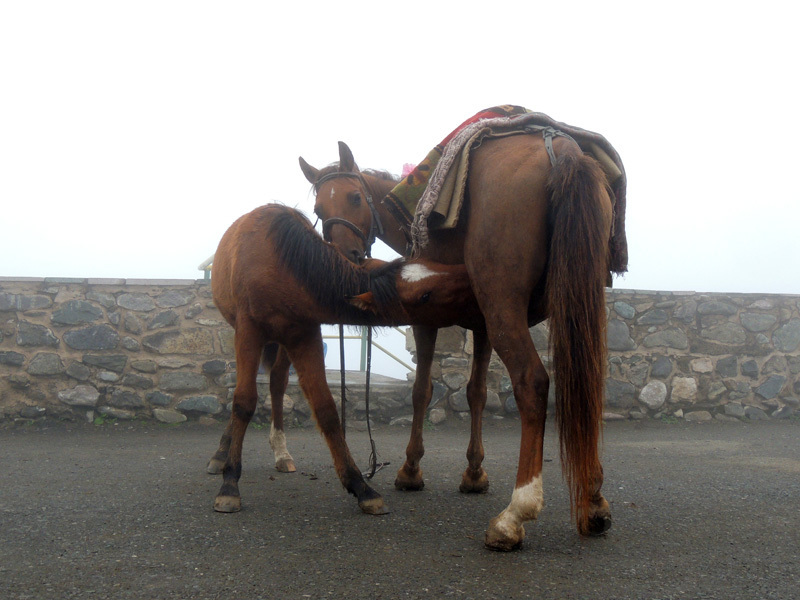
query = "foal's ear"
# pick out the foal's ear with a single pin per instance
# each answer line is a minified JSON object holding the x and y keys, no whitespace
{"x":310,"y":172}
{"x":364,"y":301}
{"x":347,"y":164}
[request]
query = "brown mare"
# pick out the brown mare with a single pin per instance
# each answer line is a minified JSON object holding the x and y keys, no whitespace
{"x":275,"y":281}
{"x":534,"y":237}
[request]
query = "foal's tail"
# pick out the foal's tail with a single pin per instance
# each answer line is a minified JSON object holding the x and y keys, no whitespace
{"x":576,"y":277}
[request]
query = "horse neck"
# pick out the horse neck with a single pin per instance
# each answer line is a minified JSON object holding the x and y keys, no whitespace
{"x":393,"y":235}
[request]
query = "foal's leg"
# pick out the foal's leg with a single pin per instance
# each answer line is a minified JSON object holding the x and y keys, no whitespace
{"x":475,"y":478}
{"x":309,"y":361}
{"x":217,"y":462}
{"x":278,"y":381}
{"x":248,"y":344}
{"x":409,"y":477}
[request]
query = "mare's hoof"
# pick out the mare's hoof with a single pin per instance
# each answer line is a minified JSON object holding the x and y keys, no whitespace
{"x":599,"y":520}
{"x":474,"y":485}
{"x":409,"y":481}
{"x":597,"y":525}
{"x":503,"y":538}
{"x":215,"y":466}
{"x":285,"y":465}
{"x":227,"y":504}
{"x":374,"y":506}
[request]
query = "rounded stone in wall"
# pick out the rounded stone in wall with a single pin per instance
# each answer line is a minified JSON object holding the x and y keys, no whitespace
{"x":787,"y":338}
{"x":653,"y":395}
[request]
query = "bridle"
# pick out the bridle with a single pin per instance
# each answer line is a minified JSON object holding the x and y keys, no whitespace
{"x":375,"y":226}
{"x":375,"y":229}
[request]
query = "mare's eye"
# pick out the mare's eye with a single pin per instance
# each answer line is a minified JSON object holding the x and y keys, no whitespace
{"x":425,"y":297}
{"x":355,"y":198}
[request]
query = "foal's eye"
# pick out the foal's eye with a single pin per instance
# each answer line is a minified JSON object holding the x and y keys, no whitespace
{"x":425,"y":297}
{"x":355,"y":198}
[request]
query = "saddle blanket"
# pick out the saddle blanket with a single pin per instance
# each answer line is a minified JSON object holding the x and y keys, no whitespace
{"x":432,"y":194}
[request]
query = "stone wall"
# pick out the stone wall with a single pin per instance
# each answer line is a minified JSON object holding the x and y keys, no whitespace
{"x":156,"y":349}
{"x":102,"y":349}
{"x":671,"y":355}
{"x":112,"y":348}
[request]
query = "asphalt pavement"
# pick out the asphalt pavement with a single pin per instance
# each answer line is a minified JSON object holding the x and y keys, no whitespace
{"x":124,"y":510}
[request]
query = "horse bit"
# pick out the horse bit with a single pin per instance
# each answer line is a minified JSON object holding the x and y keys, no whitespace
{"x":375,"y":226}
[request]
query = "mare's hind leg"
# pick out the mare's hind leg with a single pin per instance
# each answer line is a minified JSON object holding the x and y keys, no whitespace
{"x":475,"y":478}
{"x":409,"y":477}
{"x":530,"y":383}
{"x":309,"y":361}
{"x":248,"y":344}
{"x":599,"y":511}
{"x":278,"y":381}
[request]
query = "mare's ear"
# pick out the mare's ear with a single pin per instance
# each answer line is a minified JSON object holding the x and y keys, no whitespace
{"x":310,"y":172}
{"x":347,"y":164}
{"x":364,"y":302}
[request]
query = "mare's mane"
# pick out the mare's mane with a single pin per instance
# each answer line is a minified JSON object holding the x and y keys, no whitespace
{"x":321,"y":269}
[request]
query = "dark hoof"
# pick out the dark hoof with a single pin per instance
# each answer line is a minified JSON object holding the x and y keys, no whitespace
{"x":374,"y":506}
{"x":214,"y":466}
{"x":474,"y":484}
{"x":227,"y":504}
{"x":598,"y":525}
{"x":409,"y":481}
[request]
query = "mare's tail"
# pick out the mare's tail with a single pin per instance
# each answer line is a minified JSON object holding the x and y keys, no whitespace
{"x":577,"y":272}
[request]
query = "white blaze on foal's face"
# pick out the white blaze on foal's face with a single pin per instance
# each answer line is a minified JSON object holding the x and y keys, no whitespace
{"x":416,"y":272}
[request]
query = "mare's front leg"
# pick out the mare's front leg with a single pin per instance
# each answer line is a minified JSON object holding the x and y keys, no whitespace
{"x":278,"y":382}
{"x":409,"y":476}
{"x":475,"y":479}
{"x":248,"y":342}
{"x":309,"y":361}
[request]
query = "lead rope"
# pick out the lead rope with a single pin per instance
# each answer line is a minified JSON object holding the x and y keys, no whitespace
{"x":341,"y":378}
{"x":373,"y":455}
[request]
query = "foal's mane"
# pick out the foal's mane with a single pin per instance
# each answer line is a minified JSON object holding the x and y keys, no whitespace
{"x":321,"y":269}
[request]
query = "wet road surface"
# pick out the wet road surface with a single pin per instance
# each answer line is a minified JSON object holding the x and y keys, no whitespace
{"x":125,"y":511}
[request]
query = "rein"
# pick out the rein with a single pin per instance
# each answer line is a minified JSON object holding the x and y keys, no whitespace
{"x":375,"y":226}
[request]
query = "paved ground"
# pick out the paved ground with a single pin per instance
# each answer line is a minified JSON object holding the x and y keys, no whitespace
{"x":124,"y":511}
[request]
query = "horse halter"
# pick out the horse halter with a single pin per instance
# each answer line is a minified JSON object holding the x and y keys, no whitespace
{"x":375,"y":225}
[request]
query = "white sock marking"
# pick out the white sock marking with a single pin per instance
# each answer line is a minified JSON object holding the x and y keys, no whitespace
{"x":277,"y":441}
{"x":526,"y":504}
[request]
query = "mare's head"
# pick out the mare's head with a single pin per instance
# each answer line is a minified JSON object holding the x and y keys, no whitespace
{"x":344,"y":204}
{"x":430,"y":293}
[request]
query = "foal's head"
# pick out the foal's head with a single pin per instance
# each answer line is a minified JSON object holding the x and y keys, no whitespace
{"x":430,"y":293}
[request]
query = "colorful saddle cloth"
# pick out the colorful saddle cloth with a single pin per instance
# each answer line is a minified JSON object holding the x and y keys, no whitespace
{"x":431,"y":196}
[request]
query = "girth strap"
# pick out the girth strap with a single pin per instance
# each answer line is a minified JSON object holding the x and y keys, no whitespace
{"x":548,"y":133}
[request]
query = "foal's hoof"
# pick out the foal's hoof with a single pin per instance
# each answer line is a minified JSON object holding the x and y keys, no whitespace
{"x":474,"y":484}
{"x":409,"y":481}
{"x":215,"y":466}
{"x":374,"y":506}
{"x":227,"y":504}
{"x":285,"y":465}
{"x":503,"y":537}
